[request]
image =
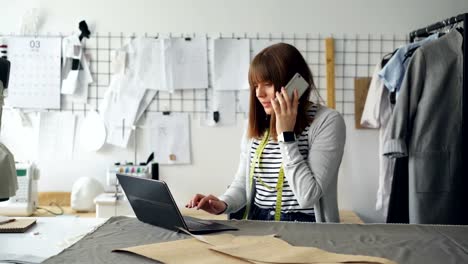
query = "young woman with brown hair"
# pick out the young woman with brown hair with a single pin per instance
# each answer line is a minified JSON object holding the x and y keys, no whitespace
{"x":291,"y":151}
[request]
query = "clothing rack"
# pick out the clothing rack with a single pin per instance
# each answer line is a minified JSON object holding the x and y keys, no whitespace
{"x":424,"y":32}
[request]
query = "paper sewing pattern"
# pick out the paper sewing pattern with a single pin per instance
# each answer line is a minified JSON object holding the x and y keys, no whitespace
{"x":72,"y":53}
{"x":231,"y":59}
{"x":144,"y":103}
{"x":92,"y":132}
{"x":76,"y":74}
{"x":119,"y":109}
{"x":35,"y":72}
{"x":118,"y":61}
{"x":143,"y":62}
{"x":185,"y":63}
{"x":84,"y":80}
{"x":242,"y":249}
{"x":56,"y":135}
{"x":131,"y":92}
{"x":170,"y":137}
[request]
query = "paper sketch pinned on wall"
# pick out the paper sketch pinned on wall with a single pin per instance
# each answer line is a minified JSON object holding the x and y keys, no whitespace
{"x":119,"y":108}
{"x":223,"y":109}
{"x":231,"y":64}
{"x":259,"y":44}
{"x":35,"y":72}
{"x":185,"y":63}
{"x":56,"y":135}
{"x":143,"y":62}
{"x":92,"y":132}
{"x":76,"y":74}
{"x":170,"y":137}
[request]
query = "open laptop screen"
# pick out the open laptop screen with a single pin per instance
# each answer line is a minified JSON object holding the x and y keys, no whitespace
{"x":152,"y":202}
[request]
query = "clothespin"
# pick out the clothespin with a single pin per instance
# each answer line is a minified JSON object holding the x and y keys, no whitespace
{"x":84,"y":30}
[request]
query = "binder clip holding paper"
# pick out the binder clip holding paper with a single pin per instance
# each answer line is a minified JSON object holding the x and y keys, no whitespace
{"x":84,"y":30}
{"x":216,"y":116}
{"x":76,"y":61}
{"x":210,"y":119}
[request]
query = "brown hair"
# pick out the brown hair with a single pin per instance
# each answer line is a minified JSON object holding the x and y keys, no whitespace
{"x":277,"y":64}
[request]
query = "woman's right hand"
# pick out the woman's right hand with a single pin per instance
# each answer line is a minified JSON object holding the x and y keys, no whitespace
{"x":209,"y":203}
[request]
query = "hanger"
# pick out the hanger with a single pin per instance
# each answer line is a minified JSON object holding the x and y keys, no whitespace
{"x":456,"y":25}
{"x":445,"y":29}
{"x":459,"y":27}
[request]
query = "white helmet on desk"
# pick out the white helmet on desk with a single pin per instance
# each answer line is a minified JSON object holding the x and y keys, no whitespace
{"x":84,"y":191}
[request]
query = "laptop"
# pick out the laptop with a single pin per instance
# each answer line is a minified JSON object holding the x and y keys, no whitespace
{"x":152,"y":203}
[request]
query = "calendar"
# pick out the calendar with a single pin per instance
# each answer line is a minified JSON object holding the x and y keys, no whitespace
{"x":34,"y":73}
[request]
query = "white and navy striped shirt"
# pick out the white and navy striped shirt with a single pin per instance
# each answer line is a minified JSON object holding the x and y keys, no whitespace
{"x":268,"y":171}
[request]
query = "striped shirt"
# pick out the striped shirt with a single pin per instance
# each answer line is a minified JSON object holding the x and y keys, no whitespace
{"x":268,"y":170}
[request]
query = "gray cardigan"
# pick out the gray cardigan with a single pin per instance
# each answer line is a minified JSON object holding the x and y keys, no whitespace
{"x":313,"y":181}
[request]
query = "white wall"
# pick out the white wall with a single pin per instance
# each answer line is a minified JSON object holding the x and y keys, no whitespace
{"x":211,"y":171}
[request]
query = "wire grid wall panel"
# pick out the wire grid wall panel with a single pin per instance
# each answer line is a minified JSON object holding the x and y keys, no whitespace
{"x":355,"y":56}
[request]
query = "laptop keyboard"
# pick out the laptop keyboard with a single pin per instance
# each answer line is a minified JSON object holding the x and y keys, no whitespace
{"x":196,"y":224}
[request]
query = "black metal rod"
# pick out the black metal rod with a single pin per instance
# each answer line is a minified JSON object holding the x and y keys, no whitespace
{"x":465,"y":113}
{"x":424,"y":32}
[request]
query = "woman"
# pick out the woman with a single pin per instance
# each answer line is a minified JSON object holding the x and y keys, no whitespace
{"x":291,"y":152}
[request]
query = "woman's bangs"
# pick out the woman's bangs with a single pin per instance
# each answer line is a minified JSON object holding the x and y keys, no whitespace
{"x":258,"y":71}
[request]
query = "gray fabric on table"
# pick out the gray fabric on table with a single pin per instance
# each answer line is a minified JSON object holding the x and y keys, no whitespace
{"x":401,"y":243}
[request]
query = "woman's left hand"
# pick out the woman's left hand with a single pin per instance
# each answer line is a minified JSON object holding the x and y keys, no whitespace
{"x":285,"y":110}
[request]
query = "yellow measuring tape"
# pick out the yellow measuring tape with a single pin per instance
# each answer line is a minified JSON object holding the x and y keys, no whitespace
{"x":279,"y":185}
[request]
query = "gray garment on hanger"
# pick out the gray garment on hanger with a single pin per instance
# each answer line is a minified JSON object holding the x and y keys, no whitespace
{"x":426,"y":127}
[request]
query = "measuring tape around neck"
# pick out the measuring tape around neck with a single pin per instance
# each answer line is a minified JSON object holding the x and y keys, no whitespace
{"x":279,"y":185}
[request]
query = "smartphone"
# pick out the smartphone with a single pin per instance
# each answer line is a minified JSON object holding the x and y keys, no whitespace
{"x":296,"y":82}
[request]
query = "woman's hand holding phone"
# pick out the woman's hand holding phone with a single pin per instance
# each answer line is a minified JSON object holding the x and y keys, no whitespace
{"x":285,"y":110}
{"x":286,"y":102}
